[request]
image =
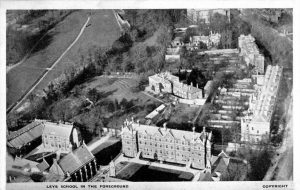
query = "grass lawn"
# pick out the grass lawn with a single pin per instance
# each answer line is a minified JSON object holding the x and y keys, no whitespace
{"x":102,"y":31}
{"x":20,"y":78}
{"x":183,"y":113}
{"x":119,"y":87}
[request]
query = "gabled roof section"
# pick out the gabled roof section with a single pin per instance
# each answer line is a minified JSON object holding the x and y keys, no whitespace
{"x":205,"y":176}
{"x":43,"y":165}
{"x":56,"y":169}
{"x":76,"y":159}
{"x":29,"y":133}
{"x":223,"y":154}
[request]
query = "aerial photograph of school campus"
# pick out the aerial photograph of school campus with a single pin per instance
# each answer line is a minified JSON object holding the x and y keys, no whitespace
{"x":149,"y":95}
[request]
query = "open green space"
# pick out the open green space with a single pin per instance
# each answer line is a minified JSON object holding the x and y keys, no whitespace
{"x":22,"y":77}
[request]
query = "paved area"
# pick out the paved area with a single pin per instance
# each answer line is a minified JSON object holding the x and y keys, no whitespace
{"x":121,"y":158}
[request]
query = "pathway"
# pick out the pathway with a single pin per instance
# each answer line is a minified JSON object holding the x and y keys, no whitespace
{"x":49,"y":69}
{"x":8,"y":68}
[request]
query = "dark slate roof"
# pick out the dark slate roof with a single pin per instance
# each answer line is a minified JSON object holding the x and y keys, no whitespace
{"x":220,"y":165}
{"x":205,"y":176}
{"x":55,"y":169}
{"x":30,"y":132}
{"x":43,"y":165}
{"x":76,"y":159}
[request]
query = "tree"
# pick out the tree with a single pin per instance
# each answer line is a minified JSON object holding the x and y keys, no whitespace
{"x":93,"y":95}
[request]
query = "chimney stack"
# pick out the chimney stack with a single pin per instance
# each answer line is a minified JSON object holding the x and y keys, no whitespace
{"x":58,"y":155}
{"x":165,"y":126}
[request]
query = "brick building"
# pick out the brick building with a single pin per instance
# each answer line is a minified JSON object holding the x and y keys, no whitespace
{"x":163,"y":144}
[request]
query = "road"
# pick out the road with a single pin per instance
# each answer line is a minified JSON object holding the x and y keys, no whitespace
{"x":97,"y":143}
{"x":49,"y":69}
{"x":282,"y":161}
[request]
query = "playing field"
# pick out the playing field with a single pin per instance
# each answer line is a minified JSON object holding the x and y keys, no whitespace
{"x":118,"y":88}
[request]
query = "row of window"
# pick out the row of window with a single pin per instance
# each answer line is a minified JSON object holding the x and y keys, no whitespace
{"x":166,"y":146}
{"x":167,"y":151}
{"x":163,"y":140}
{"x":51,"y":137}
{"x":178,"y":156}
{"x":57,"y":145}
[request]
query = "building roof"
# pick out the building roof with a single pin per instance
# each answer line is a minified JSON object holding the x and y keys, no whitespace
{"x":34,"y":130}
{"x":220,"y":165}
{"x":24,"y":163}
{"x":58,"y":129}
{"x":265,"y":104}
{"x":76,"y":159}
{"x":28,"y":127}
{"x":205,"y":176}
{"x":30,"y":132}
{"x":155,"y":112}
{"x":43,"y":165}
{"x":55,"y":169}
{"x":176,"y":134}
{"x":208,"y":85}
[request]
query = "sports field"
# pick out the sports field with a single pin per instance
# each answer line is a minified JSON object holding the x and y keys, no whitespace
{"x":118,"y":87}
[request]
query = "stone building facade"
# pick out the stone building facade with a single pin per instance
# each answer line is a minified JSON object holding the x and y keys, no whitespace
{"x":59,"y":136}
{"x":212,"y":40}
{"x":169,"y":145}
{"x":168,"y":83}
{"x":256,"y":125}
{"x":78,"y":166}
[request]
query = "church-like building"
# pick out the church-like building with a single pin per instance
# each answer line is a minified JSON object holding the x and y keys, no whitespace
{"x":78,"y":166}
{"x":168,"y":145}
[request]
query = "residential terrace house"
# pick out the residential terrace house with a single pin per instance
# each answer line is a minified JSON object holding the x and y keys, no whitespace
{"x":249,"y":51}
{"x":256,"y":125}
